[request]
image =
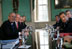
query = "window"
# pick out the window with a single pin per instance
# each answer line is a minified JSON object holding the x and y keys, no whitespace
{"x":42,"y":39}
{"x":41,"y":11}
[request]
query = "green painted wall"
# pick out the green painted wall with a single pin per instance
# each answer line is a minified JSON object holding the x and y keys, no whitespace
{"x":55,"y":11}
{"x":24,"y":9}
{"x":6,"y":9}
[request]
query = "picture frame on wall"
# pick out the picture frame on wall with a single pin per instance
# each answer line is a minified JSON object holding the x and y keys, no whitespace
{"x":62,"y":4}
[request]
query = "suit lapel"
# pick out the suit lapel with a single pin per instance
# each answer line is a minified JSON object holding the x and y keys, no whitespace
{"x":10,"y":26}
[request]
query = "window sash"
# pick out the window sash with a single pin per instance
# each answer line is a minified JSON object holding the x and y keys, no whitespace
{"x":41,"y":15}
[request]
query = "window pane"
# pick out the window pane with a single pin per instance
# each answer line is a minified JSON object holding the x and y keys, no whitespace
{"x":42,"y":41}
{"x":41,"y":47}
{"x":46,"y":40}
{"x":40,"y":2}
{"x":43,"y":37}
{"x":44,"y":47}
{"x":42,"y":13}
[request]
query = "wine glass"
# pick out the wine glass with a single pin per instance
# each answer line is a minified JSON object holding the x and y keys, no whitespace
{"x":25,"y":33}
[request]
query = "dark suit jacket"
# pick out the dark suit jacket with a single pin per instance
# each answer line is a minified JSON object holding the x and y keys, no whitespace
{"x":63,"y":27}
{"x":19,"y":27}
{"x":66,"y":27}
{"x":8,"y":31}
{"x":56,"y":25}
{"x":1,"y":34}
{"x":23,"y":25}
{"x":70,"y":20}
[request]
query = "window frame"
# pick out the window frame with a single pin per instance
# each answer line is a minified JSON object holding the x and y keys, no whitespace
{"x":36,"y":12}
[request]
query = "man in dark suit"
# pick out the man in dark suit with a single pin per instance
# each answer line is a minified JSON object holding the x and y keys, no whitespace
{"x":17,"y":22}
{"x":22,"y":22}
{"x":56,"y":25}
{"x":9,"y":29}
{"x":65,"y":26}
{"x":69,"y":16}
